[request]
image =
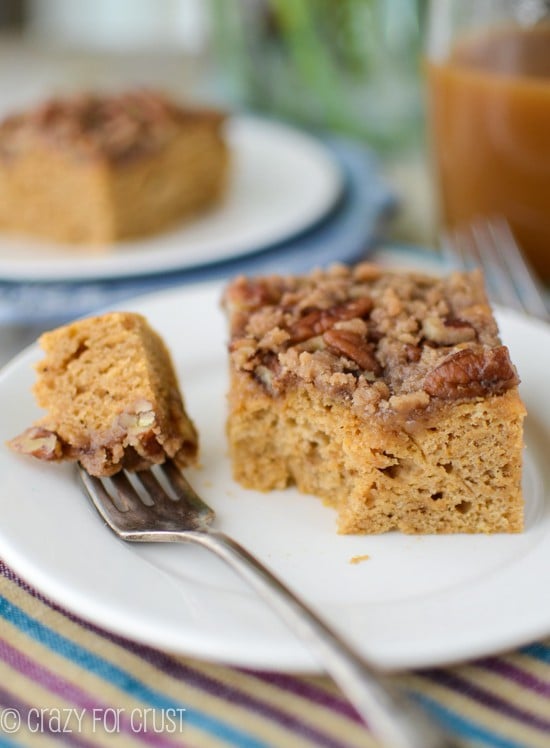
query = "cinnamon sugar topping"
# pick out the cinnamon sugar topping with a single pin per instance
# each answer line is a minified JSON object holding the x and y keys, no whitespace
{"x":115,"y":127}
{"x":383,"y":340}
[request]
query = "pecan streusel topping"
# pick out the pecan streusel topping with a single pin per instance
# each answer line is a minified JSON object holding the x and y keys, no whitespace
{"x":115,"y":127}
{"x":384,"y":340}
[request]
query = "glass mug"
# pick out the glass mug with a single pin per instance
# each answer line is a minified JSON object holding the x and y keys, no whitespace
{"x":489,"y":115}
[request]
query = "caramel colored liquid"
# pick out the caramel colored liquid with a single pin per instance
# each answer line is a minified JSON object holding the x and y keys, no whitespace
{"x":490,"y":121}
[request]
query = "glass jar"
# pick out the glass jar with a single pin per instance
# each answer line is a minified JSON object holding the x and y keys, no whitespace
{"x":489,"y":115}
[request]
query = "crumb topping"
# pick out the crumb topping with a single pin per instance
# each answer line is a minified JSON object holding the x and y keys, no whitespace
{"x":384,"y":340}
{"x":115,"y":127}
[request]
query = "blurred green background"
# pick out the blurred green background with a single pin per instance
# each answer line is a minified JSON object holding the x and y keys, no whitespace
{"x":349,"y":66}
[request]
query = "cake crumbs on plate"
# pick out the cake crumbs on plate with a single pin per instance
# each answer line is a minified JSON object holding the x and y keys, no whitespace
{"x":359,"y":559}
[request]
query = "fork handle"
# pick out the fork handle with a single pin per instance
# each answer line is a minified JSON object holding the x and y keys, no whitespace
{"x":393,"y":719}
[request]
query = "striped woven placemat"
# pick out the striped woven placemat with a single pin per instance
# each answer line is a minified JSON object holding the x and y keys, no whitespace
{"x":65,"y":681}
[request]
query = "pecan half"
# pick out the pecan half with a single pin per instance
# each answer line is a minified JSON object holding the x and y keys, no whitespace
{"x":470,"y":373}
{"x":447,"y":332}
{"x":267,"y":372}
{"x":353,"y":346}
{"x":412,"y":352}
{"x":246,"y":295}
{"x":38,"y":442}
{"x":319,"y":321}
{"x":137,"y":423}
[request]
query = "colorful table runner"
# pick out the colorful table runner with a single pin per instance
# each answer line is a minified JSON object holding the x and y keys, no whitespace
{"x":64,"y":681}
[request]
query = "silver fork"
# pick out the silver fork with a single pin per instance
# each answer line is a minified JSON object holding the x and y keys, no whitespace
{"x":491,"y":245}
{"x":159,"y":505}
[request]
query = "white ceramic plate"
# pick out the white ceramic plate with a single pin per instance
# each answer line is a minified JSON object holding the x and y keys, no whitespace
{"x":282,"y":181}
{"x":418,"y":601}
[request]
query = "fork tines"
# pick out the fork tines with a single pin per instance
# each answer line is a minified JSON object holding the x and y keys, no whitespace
{"x":491,"y":245}
{"x":156,"y":500}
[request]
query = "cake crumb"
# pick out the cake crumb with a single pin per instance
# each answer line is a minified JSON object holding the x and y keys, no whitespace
{"x":359,"y":559}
